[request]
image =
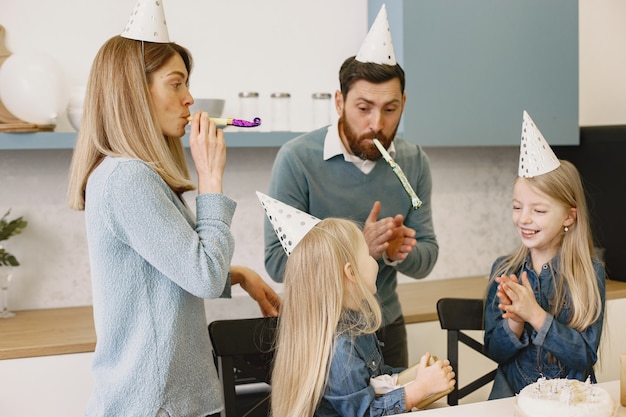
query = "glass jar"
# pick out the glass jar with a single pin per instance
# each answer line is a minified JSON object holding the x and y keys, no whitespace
{"x":321,"y":109}
{"x":281,"y":112}
{"x":248,"y":105}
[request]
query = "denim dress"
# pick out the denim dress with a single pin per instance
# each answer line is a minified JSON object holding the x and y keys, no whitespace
{"x":348,"y":393}
{"x":522,"y":361}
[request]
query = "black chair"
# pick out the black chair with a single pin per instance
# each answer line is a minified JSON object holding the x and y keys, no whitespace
{"x":456,"y":315}
{"x":243,"y":353}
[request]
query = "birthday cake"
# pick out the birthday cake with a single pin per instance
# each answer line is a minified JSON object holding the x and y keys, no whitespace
{"x":564,"y":397}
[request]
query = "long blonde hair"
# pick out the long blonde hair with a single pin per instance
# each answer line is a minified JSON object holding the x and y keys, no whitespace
{"x":577,"y":279}
{"x":313,"y":313}
{"x":119,"y":118}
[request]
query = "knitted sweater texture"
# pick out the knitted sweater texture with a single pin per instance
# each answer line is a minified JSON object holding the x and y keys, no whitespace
{"x":152,"y":263}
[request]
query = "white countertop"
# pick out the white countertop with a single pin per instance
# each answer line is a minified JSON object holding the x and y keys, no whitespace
{"x":503,"y":407}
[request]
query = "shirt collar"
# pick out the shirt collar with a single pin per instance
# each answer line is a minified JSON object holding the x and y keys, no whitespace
{"x":333,"y":146}
{"x":552,"y":263}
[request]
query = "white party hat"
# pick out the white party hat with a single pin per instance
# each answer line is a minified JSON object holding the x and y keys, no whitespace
{"x":147,"y":22}
{"x":377,"y":47}
{"x":290,"y":224}
{"x":535,"y":157}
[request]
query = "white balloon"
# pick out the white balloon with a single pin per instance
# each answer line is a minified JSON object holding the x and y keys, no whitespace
{"x":32,"y":87}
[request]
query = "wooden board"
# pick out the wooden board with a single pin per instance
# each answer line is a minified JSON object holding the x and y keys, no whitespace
{"x":21,"y":127}
{"x":47,"y":332}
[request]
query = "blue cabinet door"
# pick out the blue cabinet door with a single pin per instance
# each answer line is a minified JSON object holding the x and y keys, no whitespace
{"x":473,"y":67}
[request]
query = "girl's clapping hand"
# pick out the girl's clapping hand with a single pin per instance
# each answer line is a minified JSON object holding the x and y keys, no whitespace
{"x":505,"y":301}
{"x":522,"y":304}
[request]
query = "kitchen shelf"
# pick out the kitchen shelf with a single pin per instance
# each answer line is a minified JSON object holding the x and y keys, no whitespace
{"x":66,"y":140}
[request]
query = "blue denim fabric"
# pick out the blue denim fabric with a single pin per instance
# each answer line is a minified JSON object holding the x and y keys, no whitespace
{"x":500,"y":388}
{"x":521,"y":361}
{"x":348,"y":392}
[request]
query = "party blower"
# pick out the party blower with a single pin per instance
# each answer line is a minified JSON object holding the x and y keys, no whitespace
{"x":415,"y":201}
{"x":221,"y":121}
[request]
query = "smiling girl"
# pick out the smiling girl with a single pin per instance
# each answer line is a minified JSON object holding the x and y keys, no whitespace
{"x":545,"y":303}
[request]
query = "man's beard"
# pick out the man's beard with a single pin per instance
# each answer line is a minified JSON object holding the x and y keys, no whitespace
{"x":361,"y":149}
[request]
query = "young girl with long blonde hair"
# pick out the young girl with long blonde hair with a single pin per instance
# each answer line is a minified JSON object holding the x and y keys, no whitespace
{"x":327,"y":350}
{"x":545,"y":302}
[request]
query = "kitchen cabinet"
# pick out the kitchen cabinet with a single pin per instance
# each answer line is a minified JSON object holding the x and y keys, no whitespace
{"x":473,"y":67}
{"x":54,"y":386}
{"x":66,"y":140}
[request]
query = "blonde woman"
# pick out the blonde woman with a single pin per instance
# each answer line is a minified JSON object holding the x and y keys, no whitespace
{"x":152,"y":260}
{"x":327,"y":349}
{"x":545,"y":303}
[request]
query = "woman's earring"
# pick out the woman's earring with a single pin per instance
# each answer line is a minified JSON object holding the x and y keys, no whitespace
{"x":566,"y":228}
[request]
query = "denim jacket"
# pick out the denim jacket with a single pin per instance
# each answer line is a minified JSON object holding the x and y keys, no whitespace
{"x":348,"y":393}
{"x":521,"y":361}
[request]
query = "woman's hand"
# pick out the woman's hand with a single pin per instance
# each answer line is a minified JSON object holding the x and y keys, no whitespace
{"x":257,"y":288}
{"x":208,"y":150}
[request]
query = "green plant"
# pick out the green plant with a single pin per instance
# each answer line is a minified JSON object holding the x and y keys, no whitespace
{"x":10,"y":228}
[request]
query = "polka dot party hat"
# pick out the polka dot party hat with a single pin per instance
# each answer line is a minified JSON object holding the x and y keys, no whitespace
{"x":377,"y":47}
{"x":147,"y":22}
{"x":535,"y":157}
{"x":289,"y":223}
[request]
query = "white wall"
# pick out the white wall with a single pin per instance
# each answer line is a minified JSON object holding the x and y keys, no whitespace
{"x":266,"y":46}
{"x":238,"y":45}
{"x":602,"y":62}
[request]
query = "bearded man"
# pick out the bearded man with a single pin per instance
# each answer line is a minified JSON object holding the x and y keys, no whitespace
{"x":337,"y":171}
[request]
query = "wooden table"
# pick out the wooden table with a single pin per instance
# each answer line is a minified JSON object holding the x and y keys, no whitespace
{"x":47,"y":332}
{"x":70,"y":330}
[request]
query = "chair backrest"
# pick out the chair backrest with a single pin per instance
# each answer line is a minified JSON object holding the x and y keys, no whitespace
{"x":243,"y":351}
{"x":456,"y":315}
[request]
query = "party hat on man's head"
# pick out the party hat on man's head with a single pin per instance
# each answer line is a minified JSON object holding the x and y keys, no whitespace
{"x":147,"y":23}
{"x":377,"y":47}
{"x":290,"y":224}
{"x":536,"y":156}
